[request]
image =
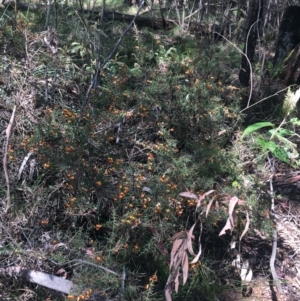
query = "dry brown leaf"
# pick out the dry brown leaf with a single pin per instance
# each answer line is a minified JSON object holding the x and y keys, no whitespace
{"x":185,"y":268}
{"x":168,"y":289}
{"x":177,"y":243}
{"x":182,"y":241}
{"x":89,"y":252}
{"x":176,"y":281}
{"x":241,"y":202}
{"x":177,"y":235}
{"x":178,"y":259}
{"x":226,"y":227}
{"x":168,"y":292}
{"x":229,"y":224}
{"x":189,"y":238}
{"x":247,"y":225}
{"x":209,"y":206}
{"x":232,"y":216}
{"x":189,"y":195}
{"x":203,"y":196}
{"x":197,"y":256}
{"x":233,"y":201}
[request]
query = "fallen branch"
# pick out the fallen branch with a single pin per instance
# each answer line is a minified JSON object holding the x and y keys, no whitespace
{"x":274,"y":247}
{"x":50,"y":281}
{"x":6,"y":143}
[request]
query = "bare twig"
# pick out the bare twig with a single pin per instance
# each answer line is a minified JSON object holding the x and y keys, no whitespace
{"x":80,"y":261}
{"x":250,"y":65}
{"x":274,"y":247}
{"x":6,"y":143}
{"x":263,"y":99}
{"x":51,"y":281}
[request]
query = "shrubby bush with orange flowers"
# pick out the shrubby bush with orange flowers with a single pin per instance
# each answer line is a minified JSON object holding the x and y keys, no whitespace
{"x":107,"y":173}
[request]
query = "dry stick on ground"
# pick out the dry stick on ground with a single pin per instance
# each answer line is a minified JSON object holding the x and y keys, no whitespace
{"x":273,"y":256}
{"x":80,"y":261}
{"x":6,"y":143}
{"x":51,"y":281}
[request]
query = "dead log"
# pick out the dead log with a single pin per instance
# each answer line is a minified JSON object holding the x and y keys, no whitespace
{"x":21,"y":6}
{"x":154,"y":23}
{"x":140,"y":21}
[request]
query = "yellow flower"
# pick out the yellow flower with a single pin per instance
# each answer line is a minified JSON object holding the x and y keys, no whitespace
{"x":98,"y":258}
{"x":47,"y":165}
{"x":98,"y":227}
{"x":153,"y":278}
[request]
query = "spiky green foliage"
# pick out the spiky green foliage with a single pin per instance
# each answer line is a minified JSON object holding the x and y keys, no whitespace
{"x":107,"y":170}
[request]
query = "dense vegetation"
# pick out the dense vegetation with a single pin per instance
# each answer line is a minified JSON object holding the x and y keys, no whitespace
{"x":121,"y":143}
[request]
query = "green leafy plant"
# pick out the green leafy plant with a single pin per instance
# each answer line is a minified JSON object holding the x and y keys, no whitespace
{"x":278,"y":140}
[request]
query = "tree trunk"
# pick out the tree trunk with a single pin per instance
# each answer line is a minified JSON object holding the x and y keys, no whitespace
{"x":289,"y":34}
{"x":253,"y":33}
{"x":292,"y":74}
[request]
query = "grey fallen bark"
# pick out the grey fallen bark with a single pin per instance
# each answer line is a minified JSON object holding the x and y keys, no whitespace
{"x":50,"y":281}
{"x":53,"y":282}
